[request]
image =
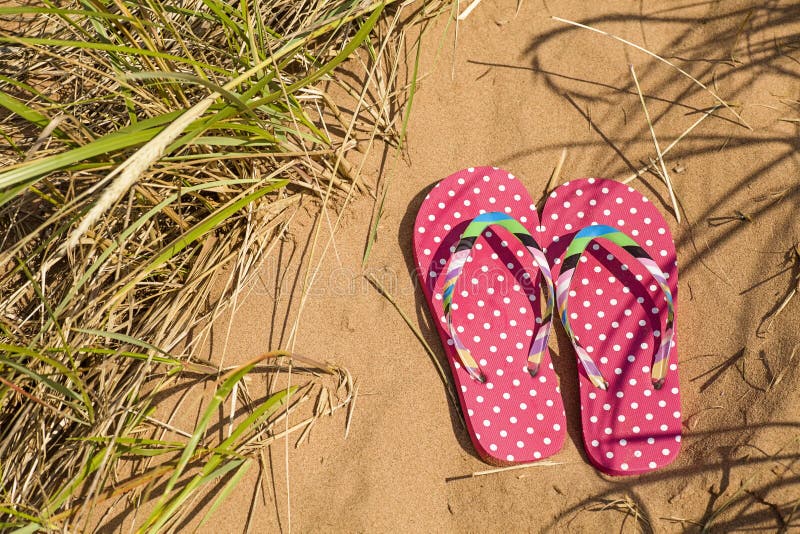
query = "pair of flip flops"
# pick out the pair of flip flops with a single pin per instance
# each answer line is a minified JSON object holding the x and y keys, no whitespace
{"x":601,"y":261}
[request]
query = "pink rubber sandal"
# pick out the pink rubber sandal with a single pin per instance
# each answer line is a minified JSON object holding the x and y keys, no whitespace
{"x":616,"y":274}
{"x":481,"y":268}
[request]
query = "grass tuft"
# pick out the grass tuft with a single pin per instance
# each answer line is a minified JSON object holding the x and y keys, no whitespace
{"x":153,"y":148}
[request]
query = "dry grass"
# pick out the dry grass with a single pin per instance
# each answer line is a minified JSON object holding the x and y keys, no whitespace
{"x":152,"y":148}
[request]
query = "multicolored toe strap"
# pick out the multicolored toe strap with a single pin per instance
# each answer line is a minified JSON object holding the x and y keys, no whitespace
{"x":456,"y":264}
{"x":568,"y":268}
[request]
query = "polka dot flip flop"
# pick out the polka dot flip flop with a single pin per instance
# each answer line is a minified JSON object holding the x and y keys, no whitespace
{"x":616,"y":274}
{"x":481,"y":269}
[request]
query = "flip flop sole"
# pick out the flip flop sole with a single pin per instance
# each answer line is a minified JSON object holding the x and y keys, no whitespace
{"x":617,"y":312}
{"x":513,"y":417}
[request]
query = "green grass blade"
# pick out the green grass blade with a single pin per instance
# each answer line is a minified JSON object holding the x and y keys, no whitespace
{"x":24,"y":351}
{"x":223,"y":450}
{"x":346,"y":52}
{"x":195,"y":233}
{"x":225,"y":491}
{"x":29,"y":173}
{"x":162,"y":510}
{"x":18,"y":107}
{"x":114,"y":49}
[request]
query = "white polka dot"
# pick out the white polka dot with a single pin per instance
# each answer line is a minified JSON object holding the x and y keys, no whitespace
{"x":609,"y":454}
{"x":493,"y":447}
{"x":595,"y":443}
{"x":510,"y":457}
{"x":486,"y":422}
{"x":479,"y":399}
{"x":652,"y":465}
{"x":636,"y":429}
{"x":547,"y":441}
{"x":638,"y":454}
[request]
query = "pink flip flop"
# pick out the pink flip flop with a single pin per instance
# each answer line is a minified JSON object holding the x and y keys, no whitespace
{"x":481,"y":269}
{"x":616,"y":274}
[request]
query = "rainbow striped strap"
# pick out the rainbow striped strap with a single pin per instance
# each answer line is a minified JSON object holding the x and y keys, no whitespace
{"x":568,"y":268}
{"x":456,"y":264}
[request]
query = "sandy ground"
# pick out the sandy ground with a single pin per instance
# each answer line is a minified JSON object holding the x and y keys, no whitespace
{"x":517,"y":89}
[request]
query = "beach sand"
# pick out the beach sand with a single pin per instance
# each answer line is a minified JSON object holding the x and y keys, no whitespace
{"x":515,"y":90}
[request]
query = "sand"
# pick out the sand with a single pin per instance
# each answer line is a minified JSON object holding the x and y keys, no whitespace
{"x":515,"y":91}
